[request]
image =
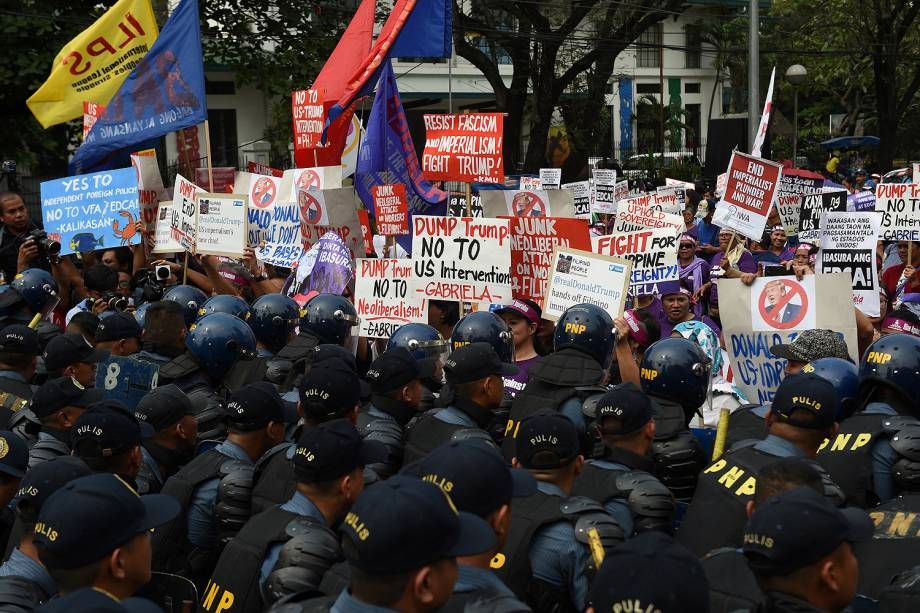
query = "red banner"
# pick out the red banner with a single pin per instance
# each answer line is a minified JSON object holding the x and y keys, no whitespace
{"x":366,"y":234}
{"x":309,"y":118}
{"x":464,"y":148}
{"x":391,"y":209}
{"x":261,"y":169}
{"x":91,"y":112}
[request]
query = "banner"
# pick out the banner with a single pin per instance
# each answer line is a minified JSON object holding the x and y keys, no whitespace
{"x":764,"y":118}
{"x":465,"y":148}
{"x":383,"y":299}
{"x":581,"y":276}
{"x":183,"y":214}
{"x":392,"y":211}
{"x":863,"y":200}
{"x":581,"y":198}
{"x":321,"y":177}
{"x":535,"y":203}
{"x":550,"y":178}
{"x":91,"y":112}
{"x":604,"y":200}
{"x":789,"y":207}
{"x":93,"y":65}
{"x":462,"y":259}
{"x":150,"y":192}
{"x":848,"y":243}
{"x":339,"y":215}
{"x":750,"y":189}
{"x":899,"y":204}
{"x":282,"y":245}
{"x":532,"y":243}
{"x":264,"y":194}
{"x":635,"y":214}
{"x":653,"y":254}
{"x":326,"y":268}
{"x":261,"y":169}
{"x":456,"y":206}
{"x":309,"y":118}
{"x":90,"y":212}
{"x":163,"y":240}
{"x":813,"y":206}
{"x":221,"y":225}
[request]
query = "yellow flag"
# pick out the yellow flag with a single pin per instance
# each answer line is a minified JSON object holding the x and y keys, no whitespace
{"x":92,"y":66}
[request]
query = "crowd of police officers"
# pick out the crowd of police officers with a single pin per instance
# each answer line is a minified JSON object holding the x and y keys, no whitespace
{"x":271,"y":469}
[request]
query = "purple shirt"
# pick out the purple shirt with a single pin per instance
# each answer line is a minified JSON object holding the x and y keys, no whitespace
{"x":667,"y":327}
{"x":515,"y":383}
{"x":745,"y":263}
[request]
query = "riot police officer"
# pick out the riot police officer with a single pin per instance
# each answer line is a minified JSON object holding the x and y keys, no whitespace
{"x":119,"y":334}
{"x":274,"y":321}
{"x":71,"y":355}
{"x":189,"y":298}
{"x":171,"y":446}
{"x":481,"y":327}
{"x":18,"y":358}
{"x":57,"y":404}
{"x":225,"y":303}
{"x":244,"y":371}
{"x":107,"y":436}
{"x":163,"y":338}
{"x":424,"y":342}
{"x":33,"y":292}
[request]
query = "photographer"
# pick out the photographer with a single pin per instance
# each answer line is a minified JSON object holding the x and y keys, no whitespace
{"x":17,"y":251}
{"x":100,"y":283}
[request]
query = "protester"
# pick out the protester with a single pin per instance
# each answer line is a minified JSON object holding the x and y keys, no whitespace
{"x":778,"y":250}
{"x":523,"y":318}
{"x":694,"y":269}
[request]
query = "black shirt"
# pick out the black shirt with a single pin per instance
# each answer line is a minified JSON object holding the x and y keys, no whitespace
{"x":9,"y":252}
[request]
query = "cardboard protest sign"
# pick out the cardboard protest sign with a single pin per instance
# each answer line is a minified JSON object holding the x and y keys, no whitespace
{"x":264,"y":194}
{"x":789,"y":207}
{"x":91,"y":112}
{"x":532,"y":243}
{"x":581,"y":276}
{"x":150,"y":191}
{"x":672,"y":190}
{"x":813,"y":206}
{"x":678,"y":183}
{"x":751,"y":187}
{"x":793,"y":182}
{"x":261,"y":169}
{"x":529,"y":183}
{"x":848,"y":245}
{"x":93,"y":211}
{"x":339,"y":207}
{"x":221,"y":224}
{"x":323,"y":177}
{"x":653,"y":254}
{"x":456,"y":206}
{"x":900,"y":207}
{"x":164,"y":240}
{"x":757,"y":372}
{"x":863,"y":200}
{"x":636,"y":214}
{"x":183,"y":215}
{"x":915,"y":172}
{"x":462,"y":259}
{"x":666,"y":202}
{"x":536,"y":203}
{"x":383,"y":299}
{"x":326,"y":268}
{"x":581,"y":198}
{"x":550,"y":178}
{"x":282,"y":245}
{"x":621,"y":190}
{"x":366,"y":233}
{"x":308,"y":116}
{"x":465,"y":147}
{"x":604,"y":200}
{"x":391,"y":209}
{"x":721,"y":184}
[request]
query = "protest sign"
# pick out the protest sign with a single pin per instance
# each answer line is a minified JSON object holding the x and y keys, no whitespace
{"x":796,"y":182}
{"x":339,"y":206}
{"x":813,"y":205}
{"x":91,"y":112}
{"x":672,"y":190}
{"x":863,"y":200}
{"x":456,"y":206}
{"x":150,"y":191}
{"x":264,"y":194}
{"x":621,"y":190}
{"x":532,"y":243}
{"x":604,"y":200}
{"x":383,"y":299}
{"x":581,"y":276}
{"x":636,"y":214}
{"x":900,"y":207}
{"x":653,"y":254}
{"x":550,"y":178}
{"x":163,"y":239}
{"x":581,"y":198}
{"x":323,"y":177}
{"x":686,"y":185}
{"x":261,"y":169}
{"x":223,"y":178}
{"x":282,"y":245}
{"x":666,"y":203}
{"x":789,"y":207}
{"x":757,"y":372}
{"x":721,"y":184}
{"x":391,"y":209}
{"x":462,"y":259}
{"x":535,"y":203}
{"x":751,"y":187}
{"x":326,"y":268}
{"x":183,"y":214}
{"x":126,"y":379}
{"x":366,"y":233}
{"x":529,"y":183}
{"x":915,"y":172}
{"x":848,"y":245}
{"x":221,"y":225}
{"x":93,"y":211}
{"x":308,"y":116}
{"x":466,"y":148}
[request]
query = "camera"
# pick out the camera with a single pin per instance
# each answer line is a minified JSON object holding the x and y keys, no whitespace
{"x":161,"y":272}
{"x":46,"y":246}
{"x":115,"y":302}
{"x":151,"y":286}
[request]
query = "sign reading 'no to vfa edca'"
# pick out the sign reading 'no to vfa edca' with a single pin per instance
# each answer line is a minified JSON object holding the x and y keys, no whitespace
{"x":751,"y":186}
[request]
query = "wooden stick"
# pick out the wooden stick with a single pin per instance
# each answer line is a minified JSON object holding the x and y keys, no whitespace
{"x":469,"y":200}
{"x":185,"y":269}
{"x":207,"y":142}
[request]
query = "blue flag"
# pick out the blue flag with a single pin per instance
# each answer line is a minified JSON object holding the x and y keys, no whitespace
{"x":164,"y":93}
{"x":388,"y":156}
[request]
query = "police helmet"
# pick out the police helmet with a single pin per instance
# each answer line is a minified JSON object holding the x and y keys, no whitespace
{"x":587,"y":327}
{"x":141,"y":313}
{"x":676,"y":369}
{"x":38,"y":290}
{"x":225,"y":303}
{"x":892,"y":361}
{"x":274,"y":317}
{"x":844,"y":376}
{"x":906,"y":469}
{"x":484,"y":327}
{"x":189,"y":298}
{"x":422,"y":341}
{"x":330,"y":317}
{"x":219,"y":340}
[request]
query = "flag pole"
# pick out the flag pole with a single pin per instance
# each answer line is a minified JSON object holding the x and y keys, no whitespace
{"x":207,"y":143}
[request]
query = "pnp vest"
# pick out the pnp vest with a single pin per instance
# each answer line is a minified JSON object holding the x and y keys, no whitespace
{"x":14,"y":396}
{"x":273,"y":481}
{"x":744,"y":424}
{"x":848,"y":458}
{"x":427,"y":434}
{"x":597,"y":483}
{"x":893,"y":548}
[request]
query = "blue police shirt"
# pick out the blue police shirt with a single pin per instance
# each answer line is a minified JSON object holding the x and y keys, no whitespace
{"x":346,"y":603}
{"x":571,"y":408}
{"x":453,"y":415}
{"x":147,"y":459}
{"x":12,"y":374}
{"x":883,"y":456}
{"x":473,"y":578}
{"x":556,"y":558}
{"x":301,"y":505}
{"x":778,"y":447}
{"x":618,"y":507}
{"x":21,"y":565}
{"x":202,"y":523}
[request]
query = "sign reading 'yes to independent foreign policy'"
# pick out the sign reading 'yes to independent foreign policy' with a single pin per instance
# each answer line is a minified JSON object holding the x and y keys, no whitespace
{"x":466,"y":147}
{"x":93,"y":211}
{"x":752,"y":184}
{"x":582,"y":276}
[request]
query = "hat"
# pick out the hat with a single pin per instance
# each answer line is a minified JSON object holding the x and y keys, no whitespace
{"x":107,"y":428}
{"x":521,"y":308}
{"x":475,"y":361}
{"x":797,"y":528}
{"x":163,"y":407}
{"x":809,"y":392}
{"x":17,"y":338}
{"x":475,"y":476}
{"x":118,"y":326}
{"x":14,"y":454}
{"x":44,"y":479}
{"x":328,"y":351}
{"x":650,"y":572}
{"x":898,"y":324}
{"x":547,"y":441}
{"x":811,"y":345}
{"x":395,"y":368}
{"x":254,"y":405}
{"x":331,"y":386}
{"x":67,"y":349}
{"x":333,"y":449}
{"x":92,"y":600}
{"x":628,"y":405}
{"x":673,"y":287}
{"x":404,"y":523}
{"x":636,"y":331}
{"x":62,"y":392}
{"x":90,"y":516}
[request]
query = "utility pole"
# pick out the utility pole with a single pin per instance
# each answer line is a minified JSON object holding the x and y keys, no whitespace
{"x":753,"y":72}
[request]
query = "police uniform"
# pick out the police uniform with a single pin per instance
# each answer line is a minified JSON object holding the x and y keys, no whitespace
{"x":162,"y":408}
{"x":732,"y":585}
{"x":15,"y":390}
{"x":50,"y":398}
{"x":748,"y":422}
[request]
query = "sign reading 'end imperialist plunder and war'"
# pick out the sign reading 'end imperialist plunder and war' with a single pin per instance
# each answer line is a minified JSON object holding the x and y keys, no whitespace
{"x":749,"y":191}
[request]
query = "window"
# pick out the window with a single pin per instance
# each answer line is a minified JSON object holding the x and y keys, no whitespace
{"x":648,"y":52}
{"x":694,"y":46}
{"x":219,"y":88}
{"x":648,"y":88}
{"x":693,"y":119}
{"x":691,"y":88}
{"x":223,"y":137}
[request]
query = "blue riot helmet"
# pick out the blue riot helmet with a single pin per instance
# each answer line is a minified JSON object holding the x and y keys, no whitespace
{"x":893,"y":361}
{"x":37,"y":289}
{"x":141,"y":312}
{"x":422,"y":341}
{"x":844,"y":376}
{"x":330,"y":317}
{"x":225,"y":303}
{"x":218,"y":341}
{"x":484,"y":327}
{"x":676,"y":369}
{"x":589,"y":328}
{"x":274,"y":317}
{"x":189,"y":298}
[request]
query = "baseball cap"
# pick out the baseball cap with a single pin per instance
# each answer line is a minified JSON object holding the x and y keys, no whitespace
{"x":475,"y":361}
{"x":67,"y":349}
{"x":521,"y":308}
{"x":44,"y":479}
{"x":329,"y":389}
{"x":163,"y":407}
{"x":628,"y":405}
{"x":475,"y":476}
{"x":333,"y":449}
{"x":107,"y":428}
{"x":547,"y":441}
{"x":14,"y":454}
{"x":328,"y":351}
{"x":650,"y":572}
{"x":811,"y":345}
{"x":797,"y":528}
{"x":89,"y":517}
{"x":62,"y":392}
{"x":395,"y":368}
{"x":254,"y":405}
{"x":118,"y":326}
{"x":404,"y":523}
{"x":17,"y":338}
{"x":809,"y":392}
